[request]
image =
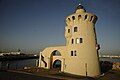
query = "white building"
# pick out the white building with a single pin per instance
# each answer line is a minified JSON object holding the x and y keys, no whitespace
{"x":80,"y":54}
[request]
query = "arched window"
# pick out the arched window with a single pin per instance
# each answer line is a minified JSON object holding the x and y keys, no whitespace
{"x":75,"y":29}
{"x":77,"y":40}
{"x":73,"y":17}
{"x":79,"y":17}
{"x":95,"y":19}
{"x":81,"y":40}
{"x":68,"y":19}
{"x":91,"y":18}
{"x":68,"y":30}
{"x":85,"y":17}
{"x":72,"y":41}
{"x":71,"y":53}
{"x":75,"y":53}
{"x":56,"y":53}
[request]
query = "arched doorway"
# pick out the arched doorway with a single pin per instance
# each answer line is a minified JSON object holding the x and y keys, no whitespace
{"x":57,"y":64}
{"x":55,"y":60}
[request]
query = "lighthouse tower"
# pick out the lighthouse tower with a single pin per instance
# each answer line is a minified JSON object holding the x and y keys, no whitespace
{"x":80,"y":54}
{"x":81,"y":43}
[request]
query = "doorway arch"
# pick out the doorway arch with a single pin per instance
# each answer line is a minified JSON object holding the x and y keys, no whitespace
{"x":55,"y":60}
{"x":57,"y":64}
{"x":56,"y":53}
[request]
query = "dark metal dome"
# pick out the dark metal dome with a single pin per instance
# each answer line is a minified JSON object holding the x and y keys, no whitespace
{"x":80,"y":7}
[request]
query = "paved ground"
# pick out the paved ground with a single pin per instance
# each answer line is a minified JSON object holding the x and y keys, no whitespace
{"x":53,"y":75}
{"x":6,"y":75}
{"x":111,"y":75}
{"x":18,"y":75}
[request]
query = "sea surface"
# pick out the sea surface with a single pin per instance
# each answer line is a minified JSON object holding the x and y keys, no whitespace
{"x":20,"y":64}
{"x":110,"y":59}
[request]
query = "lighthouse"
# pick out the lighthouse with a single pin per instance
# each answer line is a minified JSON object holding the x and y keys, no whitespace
{"x":79,"y":55}
{"x":81,"y":40}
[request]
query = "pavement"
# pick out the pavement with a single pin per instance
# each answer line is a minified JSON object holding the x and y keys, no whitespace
{"x":111,"y":75}
{"x":21,"y":75}
{"x":8,"y":75}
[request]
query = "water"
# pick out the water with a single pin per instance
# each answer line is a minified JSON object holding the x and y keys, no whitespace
{"x":110,"y":59}
{"x":19,"y":64}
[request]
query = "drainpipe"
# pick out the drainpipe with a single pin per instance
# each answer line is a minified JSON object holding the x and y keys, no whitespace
{"x":86,"y":69}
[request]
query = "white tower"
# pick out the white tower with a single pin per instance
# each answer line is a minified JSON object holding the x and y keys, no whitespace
{"x":81,"y":43}
{"x":80,"y":54}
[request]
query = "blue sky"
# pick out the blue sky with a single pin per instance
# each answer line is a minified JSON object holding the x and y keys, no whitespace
{"x":32,"y":25}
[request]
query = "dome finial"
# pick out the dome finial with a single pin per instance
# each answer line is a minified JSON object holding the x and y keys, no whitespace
{"x":79,"y":4}
{"x":80,"y":7}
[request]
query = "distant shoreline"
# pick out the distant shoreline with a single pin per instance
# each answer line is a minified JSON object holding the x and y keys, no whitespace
{"x":17,"y":57}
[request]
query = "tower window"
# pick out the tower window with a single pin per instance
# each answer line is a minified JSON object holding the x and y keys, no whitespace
{"x":75,"y":29}
{"x":77,"y":41}
{"x":71,"y":53}
{"x":72,"y":41}
{"x":68,"y":30}
{"x":81,"y":40}
{"x":91,"y":18}
{"x":73,"y":17}
{"x":95,"y":19}
{"x":75,"y":53}
{"x":79,"y":17}
{"x":69,"y":19}
{"x":85,"y":17}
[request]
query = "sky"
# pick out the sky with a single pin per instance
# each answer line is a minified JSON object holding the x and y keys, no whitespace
{"x":32,"y":25}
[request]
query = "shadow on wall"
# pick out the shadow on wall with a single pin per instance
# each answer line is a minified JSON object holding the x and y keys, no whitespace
{"x":105,"y":66}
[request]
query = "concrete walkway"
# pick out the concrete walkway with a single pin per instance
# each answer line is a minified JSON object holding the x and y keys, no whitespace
{"x":7,"y":75}
{"x":20,"y":75}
